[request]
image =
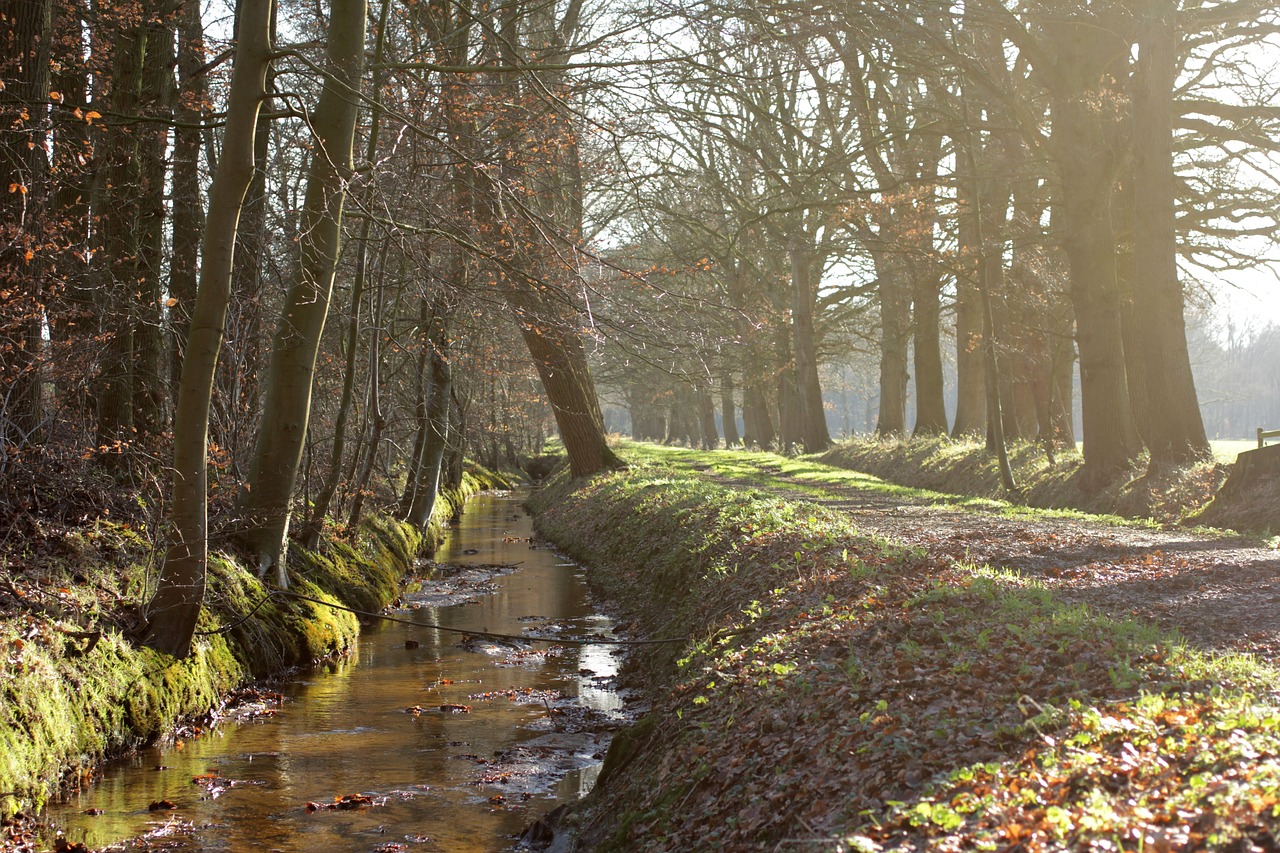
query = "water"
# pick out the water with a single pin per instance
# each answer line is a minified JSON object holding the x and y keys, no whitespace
{"x":437,"y":779}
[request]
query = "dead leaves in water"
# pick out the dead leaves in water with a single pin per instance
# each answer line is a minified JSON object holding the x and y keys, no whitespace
{"x":216,"y":785}
{"x":446,"y":708}
{"x":344,"y":803}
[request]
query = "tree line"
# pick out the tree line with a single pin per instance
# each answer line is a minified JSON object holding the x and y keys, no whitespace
{"x":300,"y":259}
{"x":283,"y":261}
{"x":1038,"y":184}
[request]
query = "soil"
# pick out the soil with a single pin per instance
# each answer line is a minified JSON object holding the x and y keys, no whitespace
{"x":1220,"y":591}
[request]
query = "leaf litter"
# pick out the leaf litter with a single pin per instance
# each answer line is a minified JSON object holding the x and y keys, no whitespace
{"x":873,"y":695}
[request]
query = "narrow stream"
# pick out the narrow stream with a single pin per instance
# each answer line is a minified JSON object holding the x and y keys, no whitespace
{"x":391,"y":723}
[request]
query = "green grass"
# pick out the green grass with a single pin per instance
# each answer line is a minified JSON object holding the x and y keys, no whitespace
{"x":807,"y":475}
{"x":1227,"y":449}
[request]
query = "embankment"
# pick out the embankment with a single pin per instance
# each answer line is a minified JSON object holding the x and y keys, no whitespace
{"x":832,"y":691}
{"x":965,"y":467}
{"x":75,"y":690}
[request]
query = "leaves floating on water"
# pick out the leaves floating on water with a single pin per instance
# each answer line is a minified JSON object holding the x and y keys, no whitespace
{"x":447,"y":708}
{"x":343,"y":803}
{"x":216,"y":785}
{"x":162,"y":805}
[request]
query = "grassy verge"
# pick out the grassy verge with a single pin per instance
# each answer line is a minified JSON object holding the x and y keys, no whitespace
{"x":964,"y":467}
{"x":74,"y":690}
{"x":831,"y":691}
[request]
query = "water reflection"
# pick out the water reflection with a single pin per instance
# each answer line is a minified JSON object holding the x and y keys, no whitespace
{"x":439,"y":780}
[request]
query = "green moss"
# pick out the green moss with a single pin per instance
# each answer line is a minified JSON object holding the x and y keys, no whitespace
{"x":62,"y":712}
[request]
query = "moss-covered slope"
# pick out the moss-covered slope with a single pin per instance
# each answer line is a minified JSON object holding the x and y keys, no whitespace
{"x":66,"y":705}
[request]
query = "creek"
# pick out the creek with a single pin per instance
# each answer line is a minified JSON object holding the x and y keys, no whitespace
{"x":458,"y":744}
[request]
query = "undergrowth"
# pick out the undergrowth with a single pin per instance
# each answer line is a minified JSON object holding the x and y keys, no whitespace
{"x":836,"y":692}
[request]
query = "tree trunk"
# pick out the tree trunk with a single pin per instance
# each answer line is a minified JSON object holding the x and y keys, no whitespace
{"x":561,"y":362}
{"x":117,"y":204}
{"x":238,"y":390}
{"x":931,"y":408}
{"x":895,"y":329}
{"x":707,"y":419}
{"x":755,"y":416}
{"x":421,"y":388}
{"x":188,"y":211}
{"x":1175,"y":429}
{"x":728,"y":412}
{"x":174,"y":609}
{"x":26,"y":28}
{"x":812,"y":417}
{"x":150,"y":357}
{"x":1085,"y":133}
{"x":359,"y":478}
{"x":320,"y":507}
{"x":971,"y":406}
{"x":287,"y":406}
{"x":439,"y":395}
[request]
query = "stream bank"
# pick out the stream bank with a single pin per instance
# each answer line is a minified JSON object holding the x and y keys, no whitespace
{"x":428,"y":737}
{"x":844,"y":692}
{"x":69,"y":705}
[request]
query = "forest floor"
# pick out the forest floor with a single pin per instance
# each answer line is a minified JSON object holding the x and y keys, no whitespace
{"x":872,"y":667}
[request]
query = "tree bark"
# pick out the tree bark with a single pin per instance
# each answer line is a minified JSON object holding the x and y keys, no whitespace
{"x":895,"y":329}
{"x":26,"y":29}
{"x":175,"y":608}
{"x":1085,"y":134}
{"x":1175,"y":428}
{"x":804,"y":292}
{"x":116,"y":212}
{"x":728,"y":412}
{"x":439,"y":397}
{"x":707,"y":419}
{"x":150,"y":356}
{"x":188,"y":210}
{"x":755,"y":416}
{"x":971,"y":407}
{"x":287,"y":405}
{"x":931,"y":408}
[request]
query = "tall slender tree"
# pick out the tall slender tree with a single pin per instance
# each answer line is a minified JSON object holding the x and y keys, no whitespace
{"x":175,"y":608}
{"x":266,"y":501}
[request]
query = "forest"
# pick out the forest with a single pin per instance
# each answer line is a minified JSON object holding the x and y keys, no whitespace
{"x":271,"y":268}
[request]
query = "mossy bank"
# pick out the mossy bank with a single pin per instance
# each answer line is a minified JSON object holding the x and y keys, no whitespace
{"x":75,"y":690}
{"x":834,"y":691}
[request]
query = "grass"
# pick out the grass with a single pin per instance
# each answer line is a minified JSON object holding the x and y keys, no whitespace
{"x":835,"y":692}
{"x":813,"y":477}
{"x":1227,"y":449}
{"x":964,"y":467}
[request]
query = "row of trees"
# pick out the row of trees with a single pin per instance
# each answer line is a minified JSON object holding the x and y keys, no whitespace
{"x":1042,"y":180}
{"x":321,"y":253}
{"x":184,"y":219}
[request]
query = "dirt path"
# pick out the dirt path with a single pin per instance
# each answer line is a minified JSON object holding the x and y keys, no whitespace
{"x":1220,"y":592}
